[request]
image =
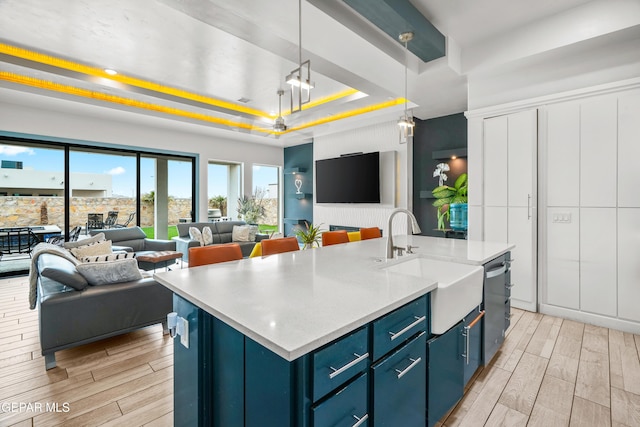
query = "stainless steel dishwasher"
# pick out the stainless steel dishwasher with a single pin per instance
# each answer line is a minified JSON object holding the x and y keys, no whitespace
{"x":497,"y":304}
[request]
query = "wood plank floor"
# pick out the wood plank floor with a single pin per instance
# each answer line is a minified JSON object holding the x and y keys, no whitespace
{"x":549,"y":372}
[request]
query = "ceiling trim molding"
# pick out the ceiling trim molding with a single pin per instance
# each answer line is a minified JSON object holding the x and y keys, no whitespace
{"x":512,"y":107}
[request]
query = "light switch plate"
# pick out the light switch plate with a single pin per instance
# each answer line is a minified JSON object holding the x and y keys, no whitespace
{"x":184,"y":336}
{"x":562,"y":217}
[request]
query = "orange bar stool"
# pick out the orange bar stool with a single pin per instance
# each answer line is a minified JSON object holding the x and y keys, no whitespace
{"x":213,"y":254}
{"x":335,"y":237}
{"x":370,"y":233}
{"x":278,"y":246}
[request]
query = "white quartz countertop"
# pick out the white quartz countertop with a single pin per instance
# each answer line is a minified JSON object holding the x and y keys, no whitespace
{"x":296,"y":302}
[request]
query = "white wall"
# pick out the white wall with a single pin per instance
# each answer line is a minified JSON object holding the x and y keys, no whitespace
{"x":381,"y":137}
{"x":31,"y":115}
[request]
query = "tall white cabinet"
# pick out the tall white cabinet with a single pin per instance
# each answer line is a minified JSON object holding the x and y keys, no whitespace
{"x":592,"y":220}
{"x":559,"y":176}
{"x":510,"y":194}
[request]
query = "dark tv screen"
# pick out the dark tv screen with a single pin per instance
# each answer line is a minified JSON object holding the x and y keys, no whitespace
{"x":349,"y":179}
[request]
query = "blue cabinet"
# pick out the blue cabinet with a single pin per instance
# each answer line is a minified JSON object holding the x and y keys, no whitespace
{"x":445,"y":378}
{"x":347,"y":407}
{"x":399,"y":389}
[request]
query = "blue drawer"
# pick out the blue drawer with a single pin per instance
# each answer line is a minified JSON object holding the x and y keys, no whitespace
{"x":399,"y":386}
{"x":396,"y":327}
{"x":347,"y":408}
{"x":339,"y":362}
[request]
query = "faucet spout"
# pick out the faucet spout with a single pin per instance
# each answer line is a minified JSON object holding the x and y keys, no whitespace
{"x":415,"y":228}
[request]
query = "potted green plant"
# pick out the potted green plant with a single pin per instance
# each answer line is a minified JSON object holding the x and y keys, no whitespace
{"x":446,"y":196}
{"x":309,"y":235}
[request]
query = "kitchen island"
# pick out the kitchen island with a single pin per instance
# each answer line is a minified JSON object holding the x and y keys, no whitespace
{"x":288,"y":340}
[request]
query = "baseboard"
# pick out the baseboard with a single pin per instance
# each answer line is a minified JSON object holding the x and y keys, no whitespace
{"x":523,"y":305}
{"x":590,"y":318}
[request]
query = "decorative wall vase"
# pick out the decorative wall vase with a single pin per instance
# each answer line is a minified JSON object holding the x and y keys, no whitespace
{"x":298,"y":184}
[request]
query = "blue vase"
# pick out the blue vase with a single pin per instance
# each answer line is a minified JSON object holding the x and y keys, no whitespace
{"x":458,"y":216}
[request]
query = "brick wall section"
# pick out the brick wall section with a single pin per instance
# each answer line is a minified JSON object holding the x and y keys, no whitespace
{"x":23,"y":211}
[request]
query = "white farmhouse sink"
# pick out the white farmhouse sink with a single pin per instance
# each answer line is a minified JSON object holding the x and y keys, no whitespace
{"x":459,"y":288}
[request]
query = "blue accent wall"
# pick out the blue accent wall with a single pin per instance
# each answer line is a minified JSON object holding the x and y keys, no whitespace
{"x":434,"y":135}
{"x":298,"y":209}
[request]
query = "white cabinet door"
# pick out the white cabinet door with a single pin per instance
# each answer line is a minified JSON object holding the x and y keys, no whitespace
{"x":495,"y":220}
{"x":495,"y":161}
{"x":598,"y":152}
{"x":522,"y":137}
{"x":563,"y":257}
{"x":629,"y":263}
{"x":629,"y":149}
{"x":598,"y":272}
{"x":563,"y":161}
{"x":521,"y":226}
{"x":510,"y":168}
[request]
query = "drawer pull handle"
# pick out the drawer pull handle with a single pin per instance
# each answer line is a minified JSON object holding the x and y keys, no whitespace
{"x":510,"y":286}
{"x":364,"y":418}
{"x":414,"y":362}
{"x":507,"y":316}
{"x":354,"y":362}
{"x":467,"y":336}
{"x":418,"y":320}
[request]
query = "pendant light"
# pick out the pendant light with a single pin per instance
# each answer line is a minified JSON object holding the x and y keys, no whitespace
{"x":279,"y":125}
{"x":300,"y":78}
{"x":406,"y":123}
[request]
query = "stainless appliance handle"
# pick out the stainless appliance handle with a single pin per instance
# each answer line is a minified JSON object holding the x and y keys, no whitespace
{"x":497,"y":272}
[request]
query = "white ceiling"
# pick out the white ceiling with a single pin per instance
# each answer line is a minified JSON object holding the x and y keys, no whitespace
{"x":243,"y":49}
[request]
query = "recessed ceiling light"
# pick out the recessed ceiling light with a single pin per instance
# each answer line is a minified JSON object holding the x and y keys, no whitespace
{"x":110,"y":71}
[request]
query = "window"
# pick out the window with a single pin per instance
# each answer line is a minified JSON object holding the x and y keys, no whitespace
{"x":266,"y":184}
{"x":223,"y":189}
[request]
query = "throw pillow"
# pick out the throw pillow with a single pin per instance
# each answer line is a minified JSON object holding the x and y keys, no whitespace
{"x":109,"y":272}
{"x":63,"y":272}
{"x":253,"y":230}
{"x":109,"y":257}
{"x":240,"y":233}
{"x":99,"y":248}
{"x":83,"y":242}
{"x":196,"y":234}
{"x":207,"y":236}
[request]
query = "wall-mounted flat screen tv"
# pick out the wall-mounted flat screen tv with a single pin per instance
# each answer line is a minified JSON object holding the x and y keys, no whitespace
{"x":353,"y":178}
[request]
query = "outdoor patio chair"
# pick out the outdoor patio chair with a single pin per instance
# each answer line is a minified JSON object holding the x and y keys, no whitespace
{"x":112,"y":218}
{"x":59,"y":240}
{"x":127,"y":222}
{"x":95,"y":221}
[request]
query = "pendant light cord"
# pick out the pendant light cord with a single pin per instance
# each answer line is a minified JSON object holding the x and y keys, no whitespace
{"x":406,"y":49}
{"x":300,"y":35}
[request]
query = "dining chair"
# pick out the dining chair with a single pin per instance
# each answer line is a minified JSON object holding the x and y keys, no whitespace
{"x":370,"y":233}
{"x":334,"y":237}
{"x":278,"y":246}
{"x":213,"y":254}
